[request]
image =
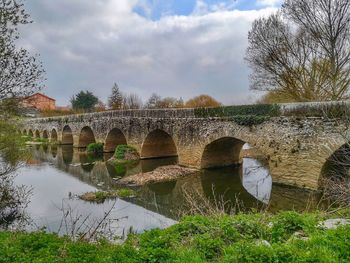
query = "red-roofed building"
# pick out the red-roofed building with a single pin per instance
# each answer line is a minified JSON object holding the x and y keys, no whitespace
{"x":39,"y":101}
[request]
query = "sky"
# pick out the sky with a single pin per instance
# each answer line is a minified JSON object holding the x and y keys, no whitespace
{"x":178,"y":48}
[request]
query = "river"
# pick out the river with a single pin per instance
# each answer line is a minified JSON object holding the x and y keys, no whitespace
{"x":57,"y":174}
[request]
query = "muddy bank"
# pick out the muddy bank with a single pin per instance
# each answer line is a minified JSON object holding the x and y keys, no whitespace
{"x":161,"y":174}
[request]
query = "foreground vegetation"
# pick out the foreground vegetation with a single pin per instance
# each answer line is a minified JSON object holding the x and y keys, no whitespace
{"x":285,"y":237}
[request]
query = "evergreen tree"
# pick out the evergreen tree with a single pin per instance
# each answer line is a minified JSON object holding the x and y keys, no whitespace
{"x":115,"y":101}
{"x":84,"y":100}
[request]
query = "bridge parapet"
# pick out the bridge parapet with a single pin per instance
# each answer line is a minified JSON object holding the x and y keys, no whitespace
{"x":144,"y":113}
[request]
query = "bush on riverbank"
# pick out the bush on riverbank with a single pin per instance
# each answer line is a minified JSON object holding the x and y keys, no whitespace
{"x":126,"y":153}
{"x":285,"y":237}
{"x":95,"y":148}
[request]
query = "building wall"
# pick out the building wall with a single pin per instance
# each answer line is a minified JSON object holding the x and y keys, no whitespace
{"x":39,"y":102}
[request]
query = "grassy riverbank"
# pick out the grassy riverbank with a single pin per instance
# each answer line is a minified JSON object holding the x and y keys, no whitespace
{"x":285,"y":237}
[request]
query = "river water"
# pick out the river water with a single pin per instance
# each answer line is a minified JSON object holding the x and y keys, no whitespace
{"x":58,"y":174}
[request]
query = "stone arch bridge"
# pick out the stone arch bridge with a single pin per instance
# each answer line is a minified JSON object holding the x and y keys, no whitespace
{"x":295,"y":148}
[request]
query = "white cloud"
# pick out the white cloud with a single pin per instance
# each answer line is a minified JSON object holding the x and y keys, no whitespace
{"x":91,"y":45}
{"x":269,"y":2}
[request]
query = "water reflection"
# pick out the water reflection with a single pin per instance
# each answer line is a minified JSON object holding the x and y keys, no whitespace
{"x":74,"y":171}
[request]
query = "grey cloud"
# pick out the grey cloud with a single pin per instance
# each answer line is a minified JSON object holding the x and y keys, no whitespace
{"x":91,"y":44}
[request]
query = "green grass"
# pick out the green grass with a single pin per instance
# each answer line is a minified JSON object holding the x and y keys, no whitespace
{"x":196,"y":239}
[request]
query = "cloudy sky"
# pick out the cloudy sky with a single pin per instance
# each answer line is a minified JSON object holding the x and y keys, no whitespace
{"x":178,"y":48}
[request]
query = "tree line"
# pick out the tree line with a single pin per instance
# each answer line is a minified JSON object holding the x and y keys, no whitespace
{"x":86,"y":101}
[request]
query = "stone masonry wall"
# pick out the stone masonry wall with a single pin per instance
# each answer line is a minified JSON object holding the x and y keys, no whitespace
{"x":295,"y":148}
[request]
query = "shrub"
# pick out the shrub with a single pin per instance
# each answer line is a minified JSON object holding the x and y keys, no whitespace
{"x":126,"y":152}
{"x":95,"y":148}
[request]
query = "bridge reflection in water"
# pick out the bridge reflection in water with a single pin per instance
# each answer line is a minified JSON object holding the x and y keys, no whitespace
{"x":250,"y":183}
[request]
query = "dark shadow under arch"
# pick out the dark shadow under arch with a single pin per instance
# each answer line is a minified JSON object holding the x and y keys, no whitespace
{"x":114,"y":138}
{"x":37,"y":134}
{"x":222,"y":152}
{"x":45,"y":134}
{"x":86,"y":137}
{"x":54,"y":136}
{"x":338,"y":164}
{"x":158,"y":144}
{"x":24,"y":132}
{"x":30,"y":133}
{"x":67,"y":136}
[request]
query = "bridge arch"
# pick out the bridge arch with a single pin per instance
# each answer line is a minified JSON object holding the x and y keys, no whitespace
{"x":158,"y":144}
{"x":337,"y":164}
{"x":24,"y":132}
{"x":114,"y":138}
{"x":45,"y":134}
{"x":54,"y":136}
{"x":30,"y":133}
{"x":37,"y":134}
{"x":222,"y":152}
{"x":86,"y":137}
{"x":67,"y":136}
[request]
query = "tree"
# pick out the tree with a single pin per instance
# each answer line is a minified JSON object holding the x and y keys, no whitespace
{"x":202,"y":101}
{"x":302,"y":52}
{"x":157,"y":102}
{"x":132,"y":102}
{"x":170,"y":102}
{"x":115,"y":101}
{"x":21,"y":74}
{"x":153,"y":102}
{"x":84,"y":100}
{"x":100,"y":106}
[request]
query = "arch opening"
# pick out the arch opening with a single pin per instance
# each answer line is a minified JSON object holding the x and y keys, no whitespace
{"x":338,"y":164}
{"x":24,"y":132}
{"x":37,"y":134}
{"x":86,"y":137}
{"x":45,"y":135}
{"x":114,"y":138}
{"x":223,"y":152}
{"x":30,"y":133}
{"x":54,"y":136}
{"x":67,"y":136}
{"x":158,"y":144}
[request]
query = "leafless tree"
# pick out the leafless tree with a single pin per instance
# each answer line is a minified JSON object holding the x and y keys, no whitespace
{"x":21,"y":73}
{"x":302,"y":52}
{"x":132,"y":102}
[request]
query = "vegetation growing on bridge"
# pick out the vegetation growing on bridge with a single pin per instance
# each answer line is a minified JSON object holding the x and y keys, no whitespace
{"x":270,"y":110}
{"x":246,"y":115}
{"x":285,"y":237}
